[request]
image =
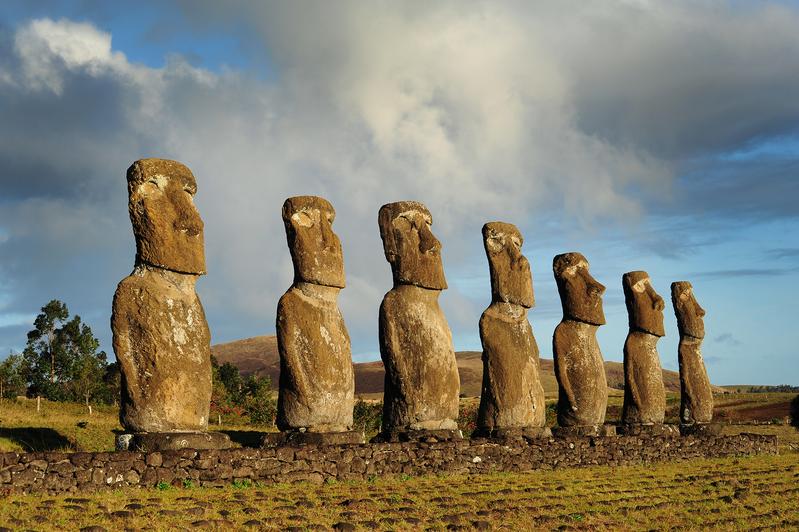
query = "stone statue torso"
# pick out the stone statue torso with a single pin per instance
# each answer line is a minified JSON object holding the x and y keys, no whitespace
{"x":317,"y":382}
{"x":644,"y":393}
{"x":421,"y":384}
{"x":696,"y":404}
{"x":512,"y":395}
{"x":580,"y":372}
{"x":162,"y":342}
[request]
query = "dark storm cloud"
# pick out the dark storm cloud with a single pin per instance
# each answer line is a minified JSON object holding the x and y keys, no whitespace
{"x":482,"y":110}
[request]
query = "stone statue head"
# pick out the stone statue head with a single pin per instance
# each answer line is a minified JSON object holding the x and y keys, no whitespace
{"x":580,"y":294}
{"x":644,"y":305}
{"x":511,"y":280}
{"x":410,"y":247}
{"x":315,"y":248}
{"x":167,"y":227}
{"x":689,"y":313}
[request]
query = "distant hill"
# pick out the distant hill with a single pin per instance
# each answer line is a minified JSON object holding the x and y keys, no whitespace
{"x":259,"y":355}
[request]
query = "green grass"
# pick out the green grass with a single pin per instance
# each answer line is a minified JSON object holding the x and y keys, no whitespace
{"x":722,"y":494}
{"x":69,"y":427}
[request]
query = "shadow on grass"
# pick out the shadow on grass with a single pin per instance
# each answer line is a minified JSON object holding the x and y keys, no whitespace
{"x":34,"y":439}
{"x":245,"y":438}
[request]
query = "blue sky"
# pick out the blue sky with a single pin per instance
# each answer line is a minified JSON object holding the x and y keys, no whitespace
{"x":662,"y":137}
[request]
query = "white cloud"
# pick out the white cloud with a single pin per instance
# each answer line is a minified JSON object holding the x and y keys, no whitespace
{"x":481,"y":110}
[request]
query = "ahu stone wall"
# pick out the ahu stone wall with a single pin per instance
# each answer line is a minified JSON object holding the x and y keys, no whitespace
{"x":55,"y":472}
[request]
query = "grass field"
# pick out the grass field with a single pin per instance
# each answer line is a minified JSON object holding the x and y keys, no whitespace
{"x":67,"y":427}
{"x":723,"y":494}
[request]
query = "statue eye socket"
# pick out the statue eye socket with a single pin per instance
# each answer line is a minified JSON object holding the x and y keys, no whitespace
{"x":494,"y":245}
{"x":302,"y":219}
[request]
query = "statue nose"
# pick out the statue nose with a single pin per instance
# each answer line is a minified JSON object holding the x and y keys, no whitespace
{"x":427,"y":242}
{"x":188,"y":223}
{"x":659,"y":304}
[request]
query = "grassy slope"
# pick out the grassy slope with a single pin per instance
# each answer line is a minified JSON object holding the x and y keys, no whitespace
{"x":731,"y":493}
{"x":259,"y":355}
{"x":56,"y":427}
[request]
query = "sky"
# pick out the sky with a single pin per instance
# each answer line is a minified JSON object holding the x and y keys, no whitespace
{"x":657,"y":136}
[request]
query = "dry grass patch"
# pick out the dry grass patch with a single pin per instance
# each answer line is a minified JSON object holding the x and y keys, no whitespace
{"x":733,"y":493}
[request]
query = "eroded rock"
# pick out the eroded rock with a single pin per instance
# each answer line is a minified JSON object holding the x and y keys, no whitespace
{"x":512,"y":395}
{"x":644,"y":393}
{"x":579,"y":367}
{"x":421,"y":383}
{"x":317,"y":381}
{"x":160,"y":335}
{"x":696,"y":394}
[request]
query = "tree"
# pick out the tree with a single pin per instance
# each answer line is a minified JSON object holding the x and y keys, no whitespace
{"x":62,"y":357}
{"x":230,"y":377}
{"x":12,"y":378}
{"x":258,"y":400}
{"x":42,"y":355}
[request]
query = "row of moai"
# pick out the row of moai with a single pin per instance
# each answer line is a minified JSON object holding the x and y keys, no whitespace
{"x":162,"y":341}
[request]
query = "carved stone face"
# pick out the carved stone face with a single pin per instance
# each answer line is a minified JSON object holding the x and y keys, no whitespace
{"x":315,"y":248}
{"x":410,"y":247}
{"x":689,"y":313}
{"x":167,"y":227}
{"x":511,"y":280}
{"x":644,"y":305}
{"x":580,"y":294}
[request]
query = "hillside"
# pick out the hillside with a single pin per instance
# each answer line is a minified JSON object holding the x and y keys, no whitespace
{"x":259,"y":355}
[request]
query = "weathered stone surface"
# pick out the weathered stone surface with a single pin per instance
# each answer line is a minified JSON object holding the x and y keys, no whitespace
{"x":428,"y":436}
{"x":644,"y":392}
{"x":696,"y":395}
{"x":317,"y":464}
{"x":579,"y":367}
{"x":701,"y":429}
{"x":421,"y":383}
{"x":656,"y":429}
{"x":150,"y":442}
{"x":167,"y":226}
{"x":274,"y":439}
{"x":317,"y":381}
{"x":512,"y":395}
{"x":160,"y":335}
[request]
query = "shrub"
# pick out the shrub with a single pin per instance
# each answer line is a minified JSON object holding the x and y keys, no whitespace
{"x":367,"y":416}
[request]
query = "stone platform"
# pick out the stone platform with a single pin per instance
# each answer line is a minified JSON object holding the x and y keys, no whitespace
{"x":274,"y":439}
{"x":506,"y":434}
{"x":426,"y":436}
{"x":701,"y":429}
{"x":57,"y":472}
{"x":657,"y":429}
{"x":584,"y":430}
{"x":172,"y":441}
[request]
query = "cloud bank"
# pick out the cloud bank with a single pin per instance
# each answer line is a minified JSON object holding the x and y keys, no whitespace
{"x":566,"y":114}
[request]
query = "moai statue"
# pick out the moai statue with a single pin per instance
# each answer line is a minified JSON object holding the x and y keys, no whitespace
{"x":644,"y":394}
{"x":696,"y":395}
{"x":160,"y":335}
{"x":579,"y":367}
{"x":512,"y":399}
{"x":421,"y":385}
{"x":317,"y":382}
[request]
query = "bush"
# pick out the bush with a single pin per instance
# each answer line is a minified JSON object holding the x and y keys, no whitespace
{"x":367,"y":416}
{"x":467,"y":417}
{"x":258,"y":401}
